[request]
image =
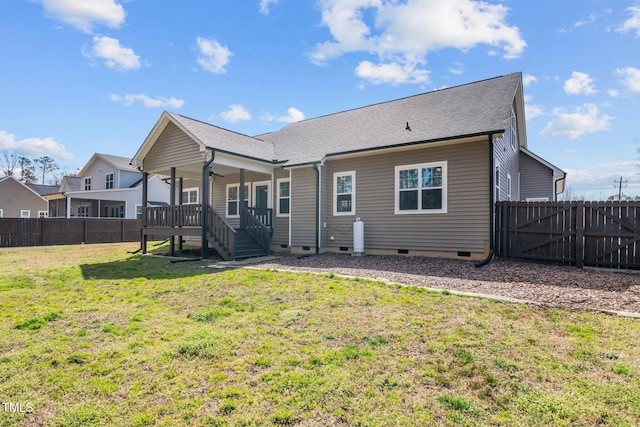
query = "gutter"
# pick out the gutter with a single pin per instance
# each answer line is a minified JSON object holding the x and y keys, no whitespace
{"x":555,"y":186}
{"x":205,"y":201}
{"x":489,"y":257}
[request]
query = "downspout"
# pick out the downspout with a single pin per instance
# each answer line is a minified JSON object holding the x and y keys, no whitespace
{"x":489,"y":257}
{"x":315,"y":168}
{"x":205,"y":201}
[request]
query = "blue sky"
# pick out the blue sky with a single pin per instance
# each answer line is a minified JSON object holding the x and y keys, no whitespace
{"x":88,"y":76}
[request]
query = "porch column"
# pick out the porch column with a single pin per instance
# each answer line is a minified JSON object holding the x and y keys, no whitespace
{"x":172,"y":202}
{"x":241,"y":197}
{"x":145,"y":187}
{"x":68,"y":215}
{"x":180,"y":202}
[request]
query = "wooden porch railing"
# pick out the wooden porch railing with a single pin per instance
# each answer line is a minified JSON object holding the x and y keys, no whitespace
{"x":220,"y":233}
{"x":264,"y":215}
{"x":255,"y":228}
{"x":173,"y":216}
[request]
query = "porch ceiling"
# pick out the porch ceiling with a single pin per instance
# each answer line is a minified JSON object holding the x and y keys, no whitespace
{"x":223,"y":166}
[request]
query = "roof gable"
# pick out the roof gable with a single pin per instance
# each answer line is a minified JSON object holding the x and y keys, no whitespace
{"x":117,"y":162}
{"x":11,"y":179}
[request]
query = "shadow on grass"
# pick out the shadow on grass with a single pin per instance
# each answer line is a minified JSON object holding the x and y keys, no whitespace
{"x":148,"y":267}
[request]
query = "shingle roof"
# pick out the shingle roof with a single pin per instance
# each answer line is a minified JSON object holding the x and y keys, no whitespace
{"x":470,"y":109}
{"x":226,"y":140}
{"x":42,"y":189}
{"x":117,"y":161}
{"x":73,"y":182}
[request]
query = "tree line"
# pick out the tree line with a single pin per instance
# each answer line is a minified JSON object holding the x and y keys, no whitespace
{"x":29,"y":170}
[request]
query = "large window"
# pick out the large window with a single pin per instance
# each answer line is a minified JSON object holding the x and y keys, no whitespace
{"x":87,"y":183}
{"x":190,"y":196}
{"x":284,"y":197}
{"x":344,"y":190}
{"x":421,"y":188}
{"x":232,"y":199}
{"x":109,"y":181}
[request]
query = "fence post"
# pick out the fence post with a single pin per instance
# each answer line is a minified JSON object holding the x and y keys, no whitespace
{"x":579,"y":206}
{"x":41,"y":231}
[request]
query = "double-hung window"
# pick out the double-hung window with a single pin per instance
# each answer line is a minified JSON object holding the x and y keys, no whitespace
{"x":232,"y":199}
{"x":344,"y":192}
{"x":284,"y":197}
{"x":109,"y":181}
{"x":190,"y":196}
{"x":421,"y":188}
{"x":87,"y":183}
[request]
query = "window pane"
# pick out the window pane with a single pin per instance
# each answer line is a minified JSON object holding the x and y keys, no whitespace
{"x":185,"y":197}
{"x":193,"y":196}
{"x":284,"y":206}
{"x":408,"y":200}
{"x":343,"y":203}
{"x":432,"y":199}
{"x":232,"y":208}
{"x":343,"y":184}
{"x":233,"y":193}
{"x":431,"y":177}
{"x":284,"y":189}
{"x":408,"y":178}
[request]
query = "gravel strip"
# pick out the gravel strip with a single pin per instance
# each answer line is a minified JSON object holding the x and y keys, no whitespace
{"x":548,"y":285}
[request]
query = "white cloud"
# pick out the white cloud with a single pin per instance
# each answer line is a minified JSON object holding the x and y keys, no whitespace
{"x":265,"y":5}
{"x":114,"y":56}
{"x":532,"y":111}
{"x":613,"y":93}
{"x":402,"y":34}
{"x":633,"y":23}
{"x":393,"y":73}
{"x":457,"y":68}
{"x":293,"y":115}
{"x":583,"y":120}
{"x":598,"y":181}
{"x":35,"y":147}
{"x":84,"y":14}
{"x":579,"y":83}
{"x":527,"y":79}
{"x":630,"y":78}
{"x":159,"y":102}
{"x":583,"y":22}
{"x":235,"y":114}
{"x":213,"y":56}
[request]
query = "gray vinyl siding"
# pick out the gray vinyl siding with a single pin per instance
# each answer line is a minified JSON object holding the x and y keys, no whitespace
{"x":536,"y":179}
{"x":172,"y":149}
{"x":303,"y":207}
{"x":508,"y":159}
{"x":326,"y":207}
{"x":465,"y":226}
{"x":280,"y":224}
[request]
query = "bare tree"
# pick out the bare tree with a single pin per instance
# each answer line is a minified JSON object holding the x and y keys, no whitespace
{"x":27,"y":170}
{"x":8,"y":162}
{"x":46,"y":164}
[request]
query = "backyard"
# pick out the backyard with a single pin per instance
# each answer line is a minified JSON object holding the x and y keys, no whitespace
{"x":94,"y":335}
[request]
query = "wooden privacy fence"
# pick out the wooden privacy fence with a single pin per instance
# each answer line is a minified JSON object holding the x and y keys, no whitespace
{"x":60,"y":231}
{"x":595,"y":234}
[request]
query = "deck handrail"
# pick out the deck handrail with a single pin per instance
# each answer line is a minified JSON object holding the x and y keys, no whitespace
{"x":255,"y":228}
{"x":221,"y":231}
{"x":264,"y":215}
{"x":173,"y":216}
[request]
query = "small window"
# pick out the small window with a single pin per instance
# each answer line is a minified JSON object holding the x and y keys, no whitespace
{"x":25,"y":214}
{"x":109,"y":181}
{"x":514,"y":135}
{"x":232,"y":199}
{"x":496,"y":195}
{"x":190,"y":196}
{"x":421,"y":188}
{"x":83,"y":211}
{"x":508,"y":187}
{"x":344,"y":190}
{"x":1,"y":213}
{"x":284,"y":197}
{"x":138,"y":211}
{"x":87,"y":183}
{"x":43,"y":214}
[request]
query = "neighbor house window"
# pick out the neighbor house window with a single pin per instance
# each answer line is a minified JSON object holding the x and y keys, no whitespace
{"x":508,"y":187}
{"x":83,"y":211}
{"x":190,"y":196}
{"x":43,"y":214}
{"x":284,"y":197}
{"x":344,"y":190}
{"x":514,"y":135}
{"x":109,"y":181}
{"x":232,"y":199}
{"x":421,"y":188}
{"x":87,"y":183}
{"x":138,"y":211}
{"x":496,"y":179}
{"x":25,"y":214}
{"x":1,"y":213}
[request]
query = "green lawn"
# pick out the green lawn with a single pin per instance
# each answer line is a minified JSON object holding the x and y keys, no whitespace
{"x":91,"y":335}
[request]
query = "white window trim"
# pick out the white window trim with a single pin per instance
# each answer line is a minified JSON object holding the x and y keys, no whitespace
{"x":278,"y":213}
{"x":189,"y":190}
{"x":514,"y":135}
{"x":253,"y":192}
{"x":84,"y":183}
{"x":136,"y":211}
{"x":226,"y":198}
{"x":508,"y":187}
{"x":352,"y":174}
{"x":113,"y":180}
{"x":419,"y":166}
{"x":496,"y":184}
{"x":43,"y":214}
{"x":1,"y":213}
{"x":24,"y":213}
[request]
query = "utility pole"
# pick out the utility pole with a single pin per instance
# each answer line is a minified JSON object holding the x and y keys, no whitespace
{"x":618,"y":184}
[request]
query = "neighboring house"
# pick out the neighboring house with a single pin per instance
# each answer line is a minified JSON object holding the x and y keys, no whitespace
{"x":422,"y":172}
{"x":106,"y":187}
{"x":18,"y":200}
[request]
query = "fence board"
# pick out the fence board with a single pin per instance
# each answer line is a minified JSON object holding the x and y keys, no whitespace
{"x":59,"y":231}
{"x":598,"y":234}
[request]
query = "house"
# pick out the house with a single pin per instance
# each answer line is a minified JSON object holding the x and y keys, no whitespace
{"x":106,"y":187}
{"x":422,"y":174}
{"x":18,"y":200}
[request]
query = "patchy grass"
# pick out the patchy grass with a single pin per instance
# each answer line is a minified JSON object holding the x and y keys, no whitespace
{"x":91,"y":335}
